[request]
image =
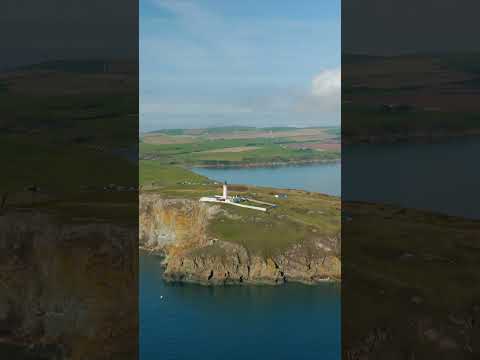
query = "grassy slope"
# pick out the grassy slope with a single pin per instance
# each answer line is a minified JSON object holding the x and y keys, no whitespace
{"x":298,"y":218}
{"x":50,"y":139}
{"x":379,"y":279}
{"x":62,"y":141}
{"x":157,"y":174}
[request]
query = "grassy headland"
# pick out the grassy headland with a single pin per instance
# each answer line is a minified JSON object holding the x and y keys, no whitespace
{"x":300,"y":216}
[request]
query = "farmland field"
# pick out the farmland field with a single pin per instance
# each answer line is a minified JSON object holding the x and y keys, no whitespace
{"x":241,"y":146}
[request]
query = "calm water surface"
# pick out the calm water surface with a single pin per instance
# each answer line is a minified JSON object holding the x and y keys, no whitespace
{"x":324,"y":178}
{"x":238,"y":322}
{"x":442,"y":177}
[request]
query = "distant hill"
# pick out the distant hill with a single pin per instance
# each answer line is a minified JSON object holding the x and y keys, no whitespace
{"x":410,"y":96}
{"x":81,"y":66}
{"x":230,"y":129}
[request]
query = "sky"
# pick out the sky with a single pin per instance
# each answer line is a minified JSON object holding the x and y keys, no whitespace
{"x":249,"y":62}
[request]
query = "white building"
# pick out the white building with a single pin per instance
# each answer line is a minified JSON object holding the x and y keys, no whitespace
{"x":232,"y":200}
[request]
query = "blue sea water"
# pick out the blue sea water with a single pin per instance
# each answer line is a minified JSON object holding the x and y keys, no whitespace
{"x":180,"y":322}
{"x":324,"y":178}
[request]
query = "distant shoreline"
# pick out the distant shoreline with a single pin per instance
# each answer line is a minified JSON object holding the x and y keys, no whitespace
{"x":267,"y":164}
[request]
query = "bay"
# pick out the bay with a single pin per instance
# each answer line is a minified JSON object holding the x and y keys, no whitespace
{"x":323,"y":178}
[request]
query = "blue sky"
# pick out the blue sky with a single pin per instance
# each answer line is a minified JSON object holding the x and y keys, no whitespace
{"x":248,"y":62}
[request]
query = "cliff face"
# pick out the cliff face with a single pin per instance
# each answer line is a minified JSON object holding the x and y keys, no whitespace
{"x":67,"y":291}
{"x":180,"y":230}
{"x":172,"y":223}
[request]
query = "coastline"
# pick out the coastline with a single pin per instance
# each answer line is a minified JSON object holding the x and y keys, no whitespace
{"x":180,"y":232}
{"x":266,"y":165}
{"x":419,"y":138}
{"x":182,"y":279}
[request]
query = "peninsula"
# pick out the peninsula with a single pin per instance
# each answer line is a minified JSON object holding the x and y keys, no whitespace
{"x":295,"y":238}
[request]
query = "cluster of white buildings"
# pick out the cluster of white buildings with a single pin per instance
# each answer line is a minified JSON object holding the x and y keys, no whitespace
{"x":235,"y":200}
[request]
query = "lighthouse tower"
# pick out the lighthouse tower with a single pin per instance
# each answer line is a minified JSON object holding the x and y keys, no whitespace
{"x":225,"y":191}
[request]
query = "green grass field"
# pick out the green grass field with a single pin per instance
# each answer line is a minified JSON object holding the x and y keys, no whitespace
{"x":297,"y":219}
{"x":153,"y":173}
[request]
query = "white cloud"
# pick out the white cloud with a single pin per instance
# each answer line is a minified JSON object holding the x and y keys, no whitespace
{"x":325,"y":93}
{"x":327,"y":83}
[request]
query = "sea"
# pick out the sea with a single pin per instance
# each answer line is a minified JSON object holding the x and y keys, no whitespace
{"x":183,"y":322}
{"x":324,"y":178}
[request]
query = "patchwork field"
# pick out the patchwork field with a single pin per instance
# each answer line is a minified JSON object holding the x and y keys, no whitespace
{"x":320,"y":147}
{"x":241,"y":146}
{"x":233,"y":149}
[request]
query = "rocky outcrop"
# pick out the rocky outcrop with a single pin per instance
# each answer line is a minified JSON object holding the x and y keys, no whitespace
{"x":179,"y":229}
{"x":235,"y":266}
{"x":67,"y":291}
{"x":165,"y":222}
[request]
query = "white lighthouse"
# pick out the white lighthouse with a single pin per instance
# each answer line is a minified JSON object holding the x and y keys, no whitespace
{"x":235,"y":200}
{"x":225,"y":191}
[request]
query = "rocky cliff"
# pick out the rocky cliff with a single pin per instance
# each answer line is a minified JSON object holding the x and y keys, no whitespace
{"x":180,"y":229}
{"x":67,"y":291}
